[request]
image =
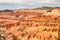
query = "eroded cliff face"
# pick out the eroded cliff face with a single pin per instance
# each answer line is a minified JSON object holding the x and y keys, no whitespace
{"x":29,"y":25}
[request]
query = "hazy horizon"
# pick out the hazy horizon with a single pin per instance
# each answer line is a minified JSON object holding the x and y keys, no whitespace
{"x":17,"y":4}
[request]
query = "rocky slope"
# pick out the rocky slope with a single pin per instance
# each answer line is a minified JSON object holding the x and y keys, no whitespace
{"x":30,"y":24}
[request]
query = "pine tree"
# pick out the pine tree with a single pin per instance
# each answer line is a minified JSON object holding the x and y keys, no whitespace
{"x":14,"y":37}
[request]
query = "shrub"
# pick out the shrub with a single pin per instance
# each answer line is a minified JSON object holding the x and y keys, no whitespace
{"x":55,"y":18}
{"x":58,"y":36}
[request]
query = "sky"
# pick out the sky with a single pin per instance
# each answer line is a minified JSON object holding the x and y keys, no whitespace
{"x":18,"y":4}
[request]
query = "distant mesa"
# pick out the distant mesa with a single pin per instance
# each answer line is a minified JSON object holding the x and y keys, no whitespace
{"x":6,"y":10}
{"x":44,"y":8}
{"x":47,"y":8}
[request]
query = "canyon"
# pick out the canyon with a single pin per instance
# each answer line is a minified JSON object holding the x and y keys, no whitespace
{"x":30,"y":24}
